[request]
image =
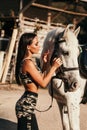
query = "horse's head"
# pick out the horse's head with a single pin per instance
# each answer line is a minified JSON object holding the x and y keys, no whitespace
{"x":66,"y":46}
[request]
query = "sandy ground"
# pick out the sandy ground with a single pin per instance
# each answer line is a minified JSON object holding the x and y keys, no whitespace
{"x":49,"y":120}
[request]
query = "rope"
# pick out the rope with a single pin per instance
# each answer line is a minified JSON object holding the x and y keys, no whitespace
{"x":51,"y":96}
{"x":51,"y":99}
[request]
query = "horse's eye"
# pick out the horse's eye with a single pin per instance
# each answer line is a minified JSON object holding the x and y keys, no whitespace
{"x":66,"y":53}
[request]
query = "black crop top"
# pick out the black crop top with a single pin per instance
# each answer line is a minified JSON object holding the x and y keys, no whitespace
{"x":26,"y":77}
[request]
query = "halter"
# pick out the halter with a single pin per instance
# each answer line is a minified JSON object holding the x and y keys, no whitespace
{"x":60,"y":72}
{"x":70,"y":69}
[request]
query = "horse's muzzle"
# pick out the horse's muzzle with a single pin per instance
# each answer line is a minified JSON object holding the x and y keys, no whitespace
{"x":71,"y":87}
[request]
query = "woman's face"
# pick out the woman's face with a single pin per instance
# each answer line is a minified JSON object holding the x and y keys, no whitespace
{"x":34,"y":47}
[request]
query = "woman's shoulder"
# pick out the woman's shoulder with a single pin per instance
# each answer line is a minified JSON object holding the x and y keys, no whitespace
{"x":28,"y":62}
{"x":30,"y":65}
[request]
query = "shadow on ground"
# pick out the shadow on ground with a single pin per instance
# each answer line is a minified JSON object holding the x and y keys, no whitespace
{"x":7,"y":125}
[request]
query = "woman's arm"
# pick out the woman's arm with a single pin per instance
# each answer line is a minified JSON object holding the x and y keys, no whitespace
{"x":41,"y":80}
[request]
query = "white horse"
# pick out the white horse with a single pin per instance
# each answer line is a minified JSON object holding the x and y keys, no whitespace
{"x":68,"y":85}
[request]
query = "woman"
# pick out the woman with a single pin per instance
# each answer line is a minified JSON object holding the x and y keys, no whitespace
{"x":28,"y":74}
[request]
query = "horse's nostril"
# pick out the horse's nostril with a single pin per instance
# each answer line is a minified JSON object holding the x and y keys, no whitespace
{"x":75,"y":84}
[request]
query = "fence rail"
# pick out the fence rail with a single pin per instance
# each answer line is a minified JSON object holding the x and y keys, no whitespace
{"x":59,"y":10}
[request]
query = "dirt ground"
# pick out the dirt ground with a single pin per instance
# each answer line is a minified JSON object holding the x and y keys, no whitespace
{"x":49,"y":120}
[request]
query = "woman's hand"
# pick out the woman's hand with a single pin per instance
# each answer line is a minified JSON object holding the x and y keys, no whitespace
{"x":57,"y":62}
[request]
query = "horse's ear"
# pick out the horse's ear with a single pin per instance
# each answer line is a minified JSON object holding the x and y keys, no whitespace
{"x":76,"y":32}
{"x":69,"y":27}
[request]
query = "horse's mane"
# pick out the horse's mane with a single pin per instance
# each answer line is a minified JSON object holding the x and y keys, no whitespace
{"x":49,"y":42}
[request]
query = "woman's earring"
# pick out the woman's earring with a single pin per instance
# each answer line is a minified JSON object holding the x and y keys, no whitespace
{"x":27,"y":47}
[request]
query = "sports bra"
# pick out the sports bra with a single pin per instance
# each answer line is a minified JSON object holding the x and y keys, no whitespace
{"x":26,"y":78}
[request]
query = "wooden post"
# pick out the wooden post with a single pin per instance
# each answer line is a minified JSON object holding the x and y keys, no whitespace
{"x":1,"y":62}
{"x":9,"y":54}
{"x":49,"y":20}
{"x":21,"y":4}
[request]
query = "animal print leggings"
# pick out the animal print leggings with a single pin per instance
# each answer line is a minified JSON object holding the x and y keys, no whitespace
{"x":25,"y":111}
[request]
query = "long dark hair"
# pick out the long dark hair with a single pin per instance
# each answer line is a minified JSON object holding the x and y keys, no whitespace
{"x":25,"y":39}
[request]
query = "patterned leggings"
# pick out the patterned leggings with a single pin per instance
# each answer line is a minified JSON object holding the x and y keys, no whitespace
{"x":25,"y":111}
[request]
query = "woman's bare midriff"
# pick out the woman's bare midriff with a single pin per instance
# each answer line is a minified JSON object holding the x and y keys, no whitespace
{"x":31,"y":87}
